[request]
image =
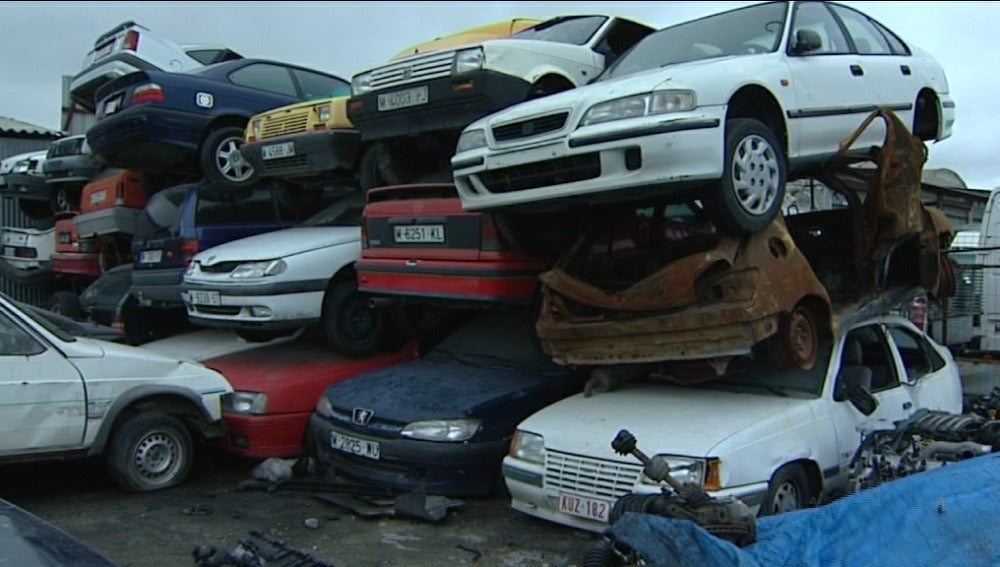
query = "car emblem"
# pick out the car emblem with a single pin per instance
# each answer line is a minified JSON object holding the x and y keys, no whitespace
{"x":204,"y":100}
{"x":407,"y":72}
{"x":362,"y":416}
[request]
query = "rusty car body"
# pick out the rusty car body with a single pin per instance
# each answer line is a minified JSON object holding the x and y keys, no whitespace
{"x":656,"y":288}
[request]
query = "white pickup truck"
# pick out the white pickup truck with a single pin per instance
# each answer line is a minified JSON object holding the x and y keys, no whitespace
{"x":66,"y":396}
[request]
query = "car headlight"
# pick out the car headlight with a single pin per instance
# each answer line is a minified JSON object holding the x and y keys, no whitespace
{"x":469,"y":60}
{"x":255,"y":127}
{"x":442,"y":429}
{"x":324,"y":407}
{"x":683,"y":469}
{"x":528,"y":447}
{"x":245,"y":402}
{"x":323,"y":112}
{"x":657,"y":102}
{"x":258,"y":269}
{"x":470,"y":140}
{"x":190,"y":269}
{"x":361,"y":84}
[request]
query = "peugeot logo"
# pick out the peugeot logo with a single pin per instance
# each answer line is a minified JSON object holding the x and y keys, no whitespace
{"x":362,"y":416}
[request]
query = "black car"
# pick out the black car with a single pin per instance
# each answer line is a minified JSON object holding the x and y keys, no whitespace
{"x":29,"y":541}
{"x":443,"y":422}
{"x":68,"y":166}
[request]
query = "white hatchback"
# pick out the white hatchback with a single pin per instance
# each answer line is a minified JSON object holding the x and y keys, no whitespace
{"x":720,"y":109}
{"x":777,"y":440}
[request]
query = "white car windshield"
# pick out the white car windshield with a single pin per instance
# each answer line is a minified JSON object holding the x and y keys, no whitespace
{"x":568,"y":29}
{"x":759,"y":376}
{"x":756,"y":29}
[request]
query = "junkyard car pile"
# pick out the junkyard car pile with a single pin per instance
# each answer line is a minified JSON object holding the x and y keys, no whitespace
{"x":613,"y":253}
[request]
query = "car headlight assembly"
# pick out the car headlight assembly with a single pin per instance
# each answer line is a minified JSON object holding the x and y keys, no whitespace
{"x":250,"y":403}
{"x":191,"y":268}
{"x":255,"y":127}
{"x":528,"y":447}
{"x":258,"y":269}
{"x":471,"y":140}
{"x":657,"y":102}
{"x":469,"y":60}
{"x":323,"y":113}
{"x":453,"y":430}
{"x":360,"y":84}
{"x":324,"y":407}
{"x":683,"y":469}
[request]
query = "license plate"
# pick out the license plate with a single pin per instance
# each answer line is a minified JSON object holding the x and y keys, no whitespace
{"x":112,"y":105}
{"x":98,"y":197}
{"x":402,"y":99}
{"x":150,"y":256}
{"x":355,"y":446}
{"x":276,"y":151}
{"x":584,"y":507}
{"x":204,"y":297}
{"x":419,"y":233}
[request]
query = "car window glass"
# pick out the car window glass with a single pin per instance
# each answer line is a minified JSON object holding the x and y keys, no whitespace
{"x":756,"y":29}
{"x":162,"y":215}
{"x":758,"y":375}
{"x":265,"y":77}
{"x":914,"y":352}
{"x":15,"y":341}
{"x":109,"y":285}
{"x":315,"y":85}
{"x":621,"y":36}
{"x":504,"y":339}
{"x":576,"y":30}
{"x":255,"y":208}
{"x":867,"y":39}
{"x":896,"y":44}
{"x":816,"y":17}
{"x":346,"y":211}
{"x":873,"y":353}
{"x":209,"y":56}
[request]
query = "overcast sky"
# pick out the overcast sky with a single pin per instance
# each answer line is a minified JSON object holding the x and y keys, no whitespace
{"x":42,"y":41}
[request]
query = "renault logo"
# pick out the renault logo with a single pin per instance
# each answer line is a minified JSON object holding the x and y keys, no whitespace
{"x":362,"y":416}
{"x":407,"y":72}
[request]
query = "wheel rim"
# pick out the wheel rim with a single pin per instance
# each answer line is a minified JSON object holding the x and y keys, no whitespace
{"x":230,"y":162}
{"x":755,"y":175}
{"x":62,"y":200}
{"x":358,"y":321}
{"x":157,"y":457}
{"x":786,"y":498}
{"x":802,"y":342}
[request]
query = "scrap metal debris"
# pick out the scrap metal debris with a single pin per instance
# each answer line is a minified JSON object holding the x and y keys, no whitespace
{"x":257,"y":550}
{"x":416,"y":504}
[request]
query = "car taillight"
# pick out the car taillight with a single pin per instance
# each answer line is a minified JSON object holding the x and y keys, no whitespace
{"x":489,"y":237}
{"x":189,"y":248}
{"x":131,"y":41}
{"x":364,"y":233}
{"x":148,"y":93}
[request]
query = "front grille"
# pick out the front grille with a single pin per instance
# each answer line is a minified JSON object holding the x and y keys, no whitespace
{"x":220,"y":268}
{"x":285,"y":163}
{"x":606,"y":480}
{"x":432,"y":66}
{"x":542,"y":173}
{"x":217,"y":310}
{"x":274,"y":126}
{"x":531,"y":127}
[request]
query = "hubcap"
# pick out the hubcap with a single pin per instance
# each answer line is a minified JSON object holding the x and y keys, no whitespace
{"x":755,"y":175}
{"x":230,"y":162}
{"x":156,"y":457}
{"x":360,"y":321}
{"x":786,"y":498}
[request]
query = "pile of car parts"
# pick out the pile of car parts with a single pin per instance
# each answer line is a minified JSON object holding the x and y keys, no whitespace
{"x":256,"y":550}
{"x":926,"y":440}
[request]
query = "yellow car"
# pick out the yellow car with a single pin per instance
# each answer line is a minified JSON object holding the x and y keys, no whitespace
{"x":315,"y":140}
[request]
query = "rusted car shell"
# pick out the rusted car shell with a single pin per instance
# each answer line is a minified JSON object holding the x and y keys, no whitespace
{"x":710,"y":304}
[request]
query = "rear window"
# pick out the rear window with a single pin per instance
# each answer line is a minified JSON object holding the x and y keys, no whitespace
{"x":255,"y":208}
{"x":114,"y":283}
{"x":162,"y":215}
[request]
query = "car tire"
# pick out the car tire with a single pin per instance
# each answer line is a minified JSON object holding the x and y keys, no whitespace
{"x":796,"y":344}
{"x":63,"y":198}
{"x":65,"y":303}
{"x":377,"y":168}
{"x":752,"y":189}
{"x":349,"y":323}
{"x":788,"y":490}
{"x":150,"y":451}
{"x":36,"y":210}
{"x":221,"y":162}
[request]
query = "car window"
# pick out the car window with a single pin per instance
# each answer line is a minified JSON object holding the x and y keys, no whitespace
{"x":816,"y":17}
{"x":867,"y":39}
{"x":111,"y":284}
{"x":265,"y":77}
{"x":502,"y":339}
{"x":896,"y":44}
{"x":209,"y":56}
{"x":621,"y":36}
{"x":758,"y":375}
{"x":15,"y":341}
{"x":346,"y":211}
{"x":867,"y":347}
{"x":256,"y":208}
{"x":576,"y":30}
{"x":756,"y":29}
{"x":919,"y":359}
{"x":162,"y":215}
{"x":316,"y":86}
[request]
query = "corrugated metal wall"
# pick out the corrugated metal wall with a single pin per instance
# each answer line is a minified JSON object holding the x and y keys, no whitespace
{"x":13,"y":146}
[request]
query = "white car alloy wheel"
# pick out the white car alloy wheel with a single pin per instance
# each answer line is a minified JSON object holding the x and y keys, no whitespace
{"x":230,"y":162}
{"x":755,"y":175}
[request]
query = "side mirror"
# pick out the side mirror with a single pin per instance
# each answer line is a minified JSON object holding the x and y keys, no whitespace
{"x":863,"y":400}
{"x":806,"y":41}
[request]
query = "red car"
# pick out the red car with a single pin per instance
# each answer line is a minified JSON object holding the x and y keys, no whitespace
{"x":275,"y":392}
{"x":417,"y":241}
{"x":74,"y":255}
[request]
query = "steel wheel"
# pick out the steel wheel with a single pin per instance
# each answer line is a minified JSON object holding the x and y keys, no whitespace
{"x":787,"y":491}
{"x":150,"y":451}
{"x":796,"y":344}
{"x":756,"y":176}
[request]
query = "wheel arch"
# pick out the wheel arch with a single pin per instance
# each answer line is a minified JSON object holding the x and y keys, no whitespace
{"x":927,"y":101}
{"x":224,"y":121}
{"x":814,"y":476}
{"x":758,"y":103}
{"x":550,"y":82}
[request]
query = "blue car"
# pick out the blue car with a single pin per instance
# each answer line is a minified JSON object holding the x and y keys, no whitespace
{"x":442,"y":422}
{"x":193,"y":123}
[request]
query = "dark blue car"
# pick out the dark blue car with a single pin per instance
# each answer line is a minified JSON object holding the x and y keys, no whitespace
{"x":193,"y":123}
{"x":442,"y":422}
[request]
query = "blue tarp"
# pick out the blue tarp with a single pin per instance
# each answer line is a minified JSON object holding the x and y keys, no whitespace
{"x":948,"y":516}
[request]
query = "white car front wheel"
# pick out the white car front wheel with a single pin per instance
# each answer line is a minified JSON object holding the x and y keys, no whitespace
{"x":150,"y":451}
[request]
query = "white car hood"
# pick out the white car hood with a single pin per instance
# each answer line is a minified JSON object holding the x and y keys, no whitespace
{"x":279,"y":244}
{"x":664,"y":419}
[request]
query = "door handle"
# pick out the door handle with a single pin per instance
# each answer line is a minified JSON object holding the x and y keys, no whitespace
{"x":907,"y":405}
{"x":905,"y":69}
{"x":857,"y":71}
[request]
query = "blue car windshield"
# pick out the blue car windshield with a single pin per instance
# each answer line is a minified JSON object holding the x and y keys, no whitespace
{"x":500,"y":340}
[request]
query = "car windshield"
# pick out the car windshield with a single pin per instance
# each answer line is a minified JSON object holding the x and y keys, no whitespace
{"x":498,"y":340}
{"x":576,"y":30}
{"x":346,"y":211}
{"x":756,"y":29}
{"x":759,"y":376}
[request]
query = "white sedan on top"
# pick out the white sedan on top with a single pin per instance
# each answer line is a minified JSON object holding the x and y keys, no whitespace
{"x":779,"y":441}
{"x":720,"y":109}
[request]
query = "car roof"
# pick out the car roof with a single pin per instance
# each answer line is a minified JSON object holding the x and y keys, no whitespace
{"x":223,"y":68}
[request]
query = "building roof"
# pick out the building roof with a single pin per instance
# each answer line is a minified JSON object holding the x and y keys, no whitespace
{"x":17,"y":128}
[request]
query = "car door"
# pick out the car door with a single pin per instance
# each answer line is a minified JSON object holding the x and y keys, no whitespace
{"x":833,"y":91}
{"x":931,"y":377}
{"x":42,"y":398}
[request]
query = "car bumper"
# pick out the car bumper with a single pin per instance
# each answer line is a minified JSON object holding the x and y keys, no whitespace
{"x":147,"y":138}
{"x":452,"y":103}
{"x":451,"y":469}
{"x":529,"y":495}
{"x":266,"y":436}
{"x":107,"y":221}
{"x":278,"y":306}
{"x":514,"y":283}
{"x":76,"y":263}
{"x":26,"y":186}
{"x":316,"y":153}
{"x":157,"y":288}
{"x":624,"y":160}
{"x":70,"y":169}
